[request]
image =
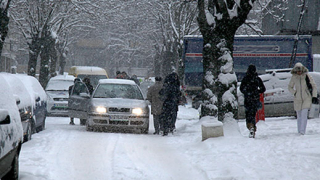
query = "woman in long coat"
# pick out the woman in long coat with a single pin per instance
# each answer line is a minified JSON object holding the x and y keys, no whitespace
{"x":302,"y":97}
{"x":170,"y":94}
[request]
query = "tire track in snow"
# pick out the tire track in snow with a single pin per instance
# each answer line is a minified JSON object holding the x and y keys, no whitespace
{"x":145,"y":157}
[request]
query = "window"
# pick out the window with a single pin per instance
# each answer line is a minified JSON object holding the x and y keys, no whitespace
{"x":79,"y":87}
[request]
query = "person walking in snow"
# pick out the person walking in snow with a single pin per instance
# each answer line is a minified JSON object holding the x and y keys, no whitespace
{"x":302,"y":96}
{"x":156,"y":104}
{"x":70,"y":91}
{"x":251,"y":87}
{"x":170,"y":94}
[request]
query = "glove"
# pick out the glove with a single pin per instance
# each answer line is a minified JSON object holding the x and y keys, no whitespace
{"x":315,"y":100}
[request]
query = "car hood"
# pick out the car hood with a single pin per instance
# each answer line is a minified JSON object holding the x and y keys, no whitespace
{"x":119,"y":102}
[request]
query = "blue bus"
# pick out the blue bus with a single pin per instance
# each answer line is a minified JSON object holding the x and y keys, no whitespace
{"x":265,"y":52}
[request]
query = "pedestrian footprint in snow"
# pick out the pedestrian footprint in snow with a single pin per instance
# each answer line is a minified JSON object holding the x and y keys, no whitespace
{"x":251,"y":87}
{"x":302,"y":96}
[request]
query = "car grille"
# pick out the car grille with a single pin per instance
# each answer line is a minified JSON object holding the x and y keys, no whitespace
{"x":59,"y":108}
{"x":113,"y":109}
{"x":60,"y":99}
{"x":121,"y":120}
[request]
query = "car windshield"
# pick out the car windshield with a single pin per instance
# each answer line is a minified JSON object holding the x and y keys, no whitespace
{"x":126,"y":91}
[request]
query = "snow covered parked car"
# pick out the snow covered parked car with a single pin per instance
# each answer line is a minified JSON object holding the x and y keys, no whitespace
{"x":39,"y":100}
{"x":58,"y":93}
{"x":11,"y":133}
{"x":24,"y":102}
{"x":116,"y":104}
{"x":278,"y":101}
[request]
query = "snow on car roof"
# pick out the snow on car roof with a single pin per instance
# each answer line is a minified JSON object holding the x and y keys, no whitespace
{"x":76,"y":70}
{"x":18,"y":88}
{"x":116,"y":81}
{"x":60,"y":82}
{"x":63,"y":77}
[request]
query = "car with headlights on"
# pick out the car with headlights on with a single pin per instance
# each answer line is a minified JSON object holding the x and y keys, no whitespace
{"x":57,"y":91}
{"x":115,"y":105}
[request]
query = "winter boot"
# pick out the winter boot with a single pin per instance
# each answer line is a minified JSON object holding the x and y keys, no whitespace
{"x":252,"y":133}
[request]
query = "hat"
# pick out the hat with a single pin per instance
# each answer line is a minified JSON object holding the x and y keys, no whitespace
{"x":251,"y":69}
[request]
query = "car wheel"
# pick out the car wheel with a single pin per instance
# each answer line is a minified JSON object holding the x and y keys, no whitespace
{"x":27,"y":137}
{"x":83,"y":122}
{"x":13,"y":174}
{"x":145,"y":131}
{"x":89,"y":128}
{"x":33,"y":126}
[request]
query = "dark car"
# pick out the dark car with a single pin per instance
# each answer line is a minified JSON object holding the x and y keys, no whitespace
{"x":115,"y":105}
{"x":11,"y":133}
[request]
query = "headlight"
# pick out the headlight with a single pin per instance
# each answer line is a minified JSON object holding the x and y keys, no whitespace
{"x":101,"y":109}
{"x":137,"y":111}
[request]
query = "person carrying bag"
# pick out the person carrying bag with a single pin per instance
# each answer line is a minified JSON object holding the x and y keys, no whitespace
{"x":303,"y":97}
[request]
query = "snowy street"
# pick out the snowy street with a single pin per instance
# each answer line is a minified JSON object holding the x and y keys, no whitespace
{"x":65,"y":152}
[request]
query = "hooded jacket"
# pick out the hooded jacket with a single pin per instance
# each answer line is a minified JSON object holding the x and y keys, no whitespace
{"x":298,"y":87}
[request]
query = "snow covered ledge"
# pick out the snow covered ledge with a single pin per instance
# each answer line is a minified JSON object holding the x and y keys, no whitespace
{"x":211,"y":128}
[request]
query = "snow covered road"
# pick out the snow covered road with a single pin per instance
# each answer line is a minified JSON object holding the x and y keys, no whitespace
{"x":65,"y":152}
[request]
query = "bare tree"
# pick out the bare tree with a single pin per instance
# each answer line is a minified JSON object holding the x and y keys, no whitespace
{"x":41,"y":22}
{"x":175,"y":20}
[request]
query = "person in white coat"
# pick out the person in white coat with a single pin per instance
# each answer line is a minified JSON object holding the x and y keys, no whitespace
{"x":302,"y":96}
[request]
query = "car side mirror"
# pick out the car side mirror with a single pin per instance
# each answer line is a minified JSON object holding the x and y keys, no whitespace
{"x":85,"y":95}
{"x":4,"y":117}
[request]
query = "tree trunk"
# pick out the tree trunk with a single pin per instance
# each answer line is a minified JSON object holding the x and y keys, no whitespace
{"x":4,"y":22}
{"x":34,"y":50}
{"x":53,"y":56}
{"x":44,"y":67}
{"x":62,"y":63}
{"x":219,"y":80}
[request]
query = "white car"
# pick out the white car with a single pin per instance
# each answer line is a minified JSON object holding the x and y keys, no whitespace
{"x":58,"y":94}
{"x":11,"y":133}
{"x":278,"y":101}
{"x":115,"y":105}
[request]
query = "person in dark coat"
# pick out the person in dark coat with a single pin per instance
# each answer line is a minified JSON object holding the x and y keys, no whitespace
{"x":118,"y":75}
{"x":251,"y":87}
{"x":135,"y":79}
{"x":153,"y":97}
{"x":70,"y":91}
{"x":170,"y":94}
{"x":86,"y":80}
